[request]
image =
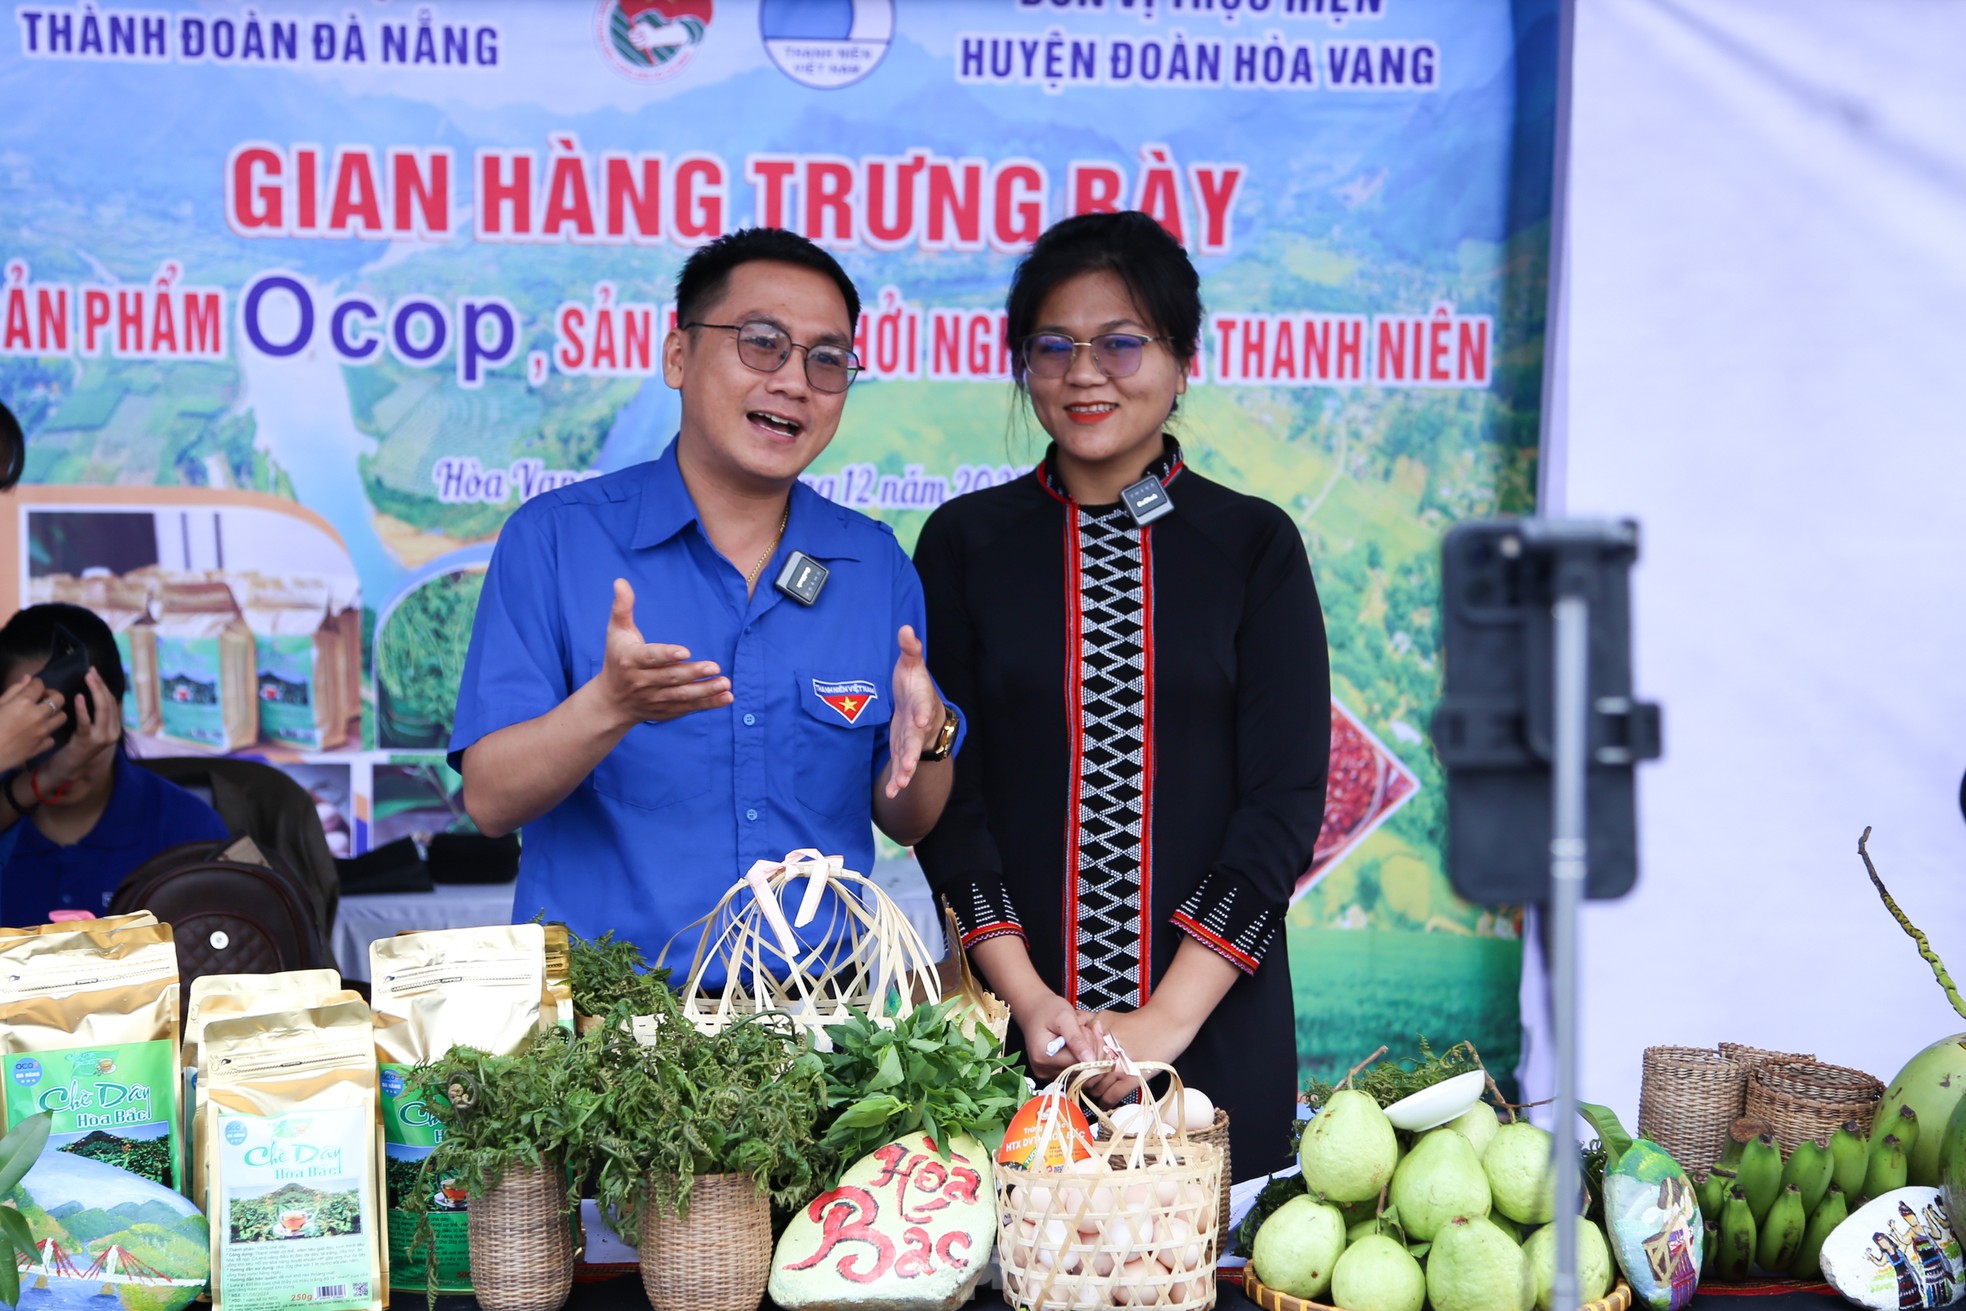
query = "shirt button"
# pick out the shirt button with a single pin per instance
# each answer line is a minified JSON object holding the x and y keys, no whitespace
{"x":751,"y":815}
{"x":750,"y":720}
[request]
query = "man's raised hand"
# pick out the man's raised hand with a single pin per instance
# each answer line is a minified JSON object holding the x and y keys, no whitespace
{"x":918,"y":712}
{"x":653,"y":681}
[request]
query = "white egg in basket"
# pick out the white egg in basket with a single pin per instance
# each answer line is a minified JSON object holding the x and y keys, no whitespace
{"x":1435,"y":1106}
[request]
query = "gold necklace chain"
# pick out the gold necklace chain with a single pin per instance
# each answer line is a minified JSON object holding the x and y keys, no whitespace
{"x":751,"y":579}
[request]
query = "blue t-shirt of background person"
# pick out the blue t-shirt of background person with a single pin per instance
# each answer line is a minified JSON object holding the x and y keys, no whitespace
{"x":145,"y":815}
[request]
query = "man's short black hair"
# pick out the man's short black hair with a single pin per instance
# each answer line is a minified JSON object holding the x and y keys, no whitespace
{"x":707,"y":272}
{"x":1157,"y":273}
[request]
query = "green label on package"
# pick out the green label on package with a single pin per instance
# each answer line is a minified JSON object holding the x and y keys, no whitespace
{"x":286,"y":690}
{"x":116,"y":1104}
{"x":298,"y":1224}
{"x":409,"y":1131}
{"x":187,"y":690}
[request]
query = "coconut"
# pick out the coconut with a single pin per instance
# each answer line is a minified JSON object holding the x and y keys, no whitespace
{"x":1931,"y":1083}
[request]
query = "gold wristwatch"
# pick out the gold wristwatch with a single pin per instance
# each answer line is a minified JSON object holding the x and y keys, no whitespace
{"x":945,"y":741}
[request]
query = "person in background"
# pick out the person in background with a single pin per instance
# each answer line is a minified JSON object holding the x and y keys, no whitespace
{"x":1125,"y":841}
{"x":90,"y":815}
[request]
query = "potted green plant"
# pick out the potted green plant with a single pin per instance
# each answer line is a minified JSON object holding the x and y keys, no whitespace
{"x":19,"y":1150}
{"x":704,"y":1133}
{"x":513,"y":1128}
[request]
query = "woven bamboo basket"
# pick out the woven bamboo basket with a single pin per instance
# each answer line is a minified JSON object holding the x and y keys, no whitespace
{"x":1129,"y":1220}
{"x":1756,"y":1057}
{"x":1807,"y":1099}
{"x":864,"y":956}
{"x":522,"y":1241}
{"x":1687,"y":1098}
{"x":1216,"y":1135}
{"x":716,"y":1259}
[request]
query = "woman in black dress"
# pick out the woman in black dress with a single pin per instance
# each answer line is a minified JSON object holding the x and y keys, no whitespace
{"x":1148,"y":697}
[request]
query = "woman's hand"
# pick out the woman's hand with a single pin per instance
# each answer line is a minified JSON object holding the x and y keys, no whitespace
{"x":29,"y":715}
{"x":1044,"y":1017}
{"x":1148,"y":1034}
{"x":86,"y":752}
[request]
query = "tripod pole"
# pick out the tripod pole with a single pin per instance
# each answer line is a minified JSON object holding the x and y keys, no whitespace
{"x":1567,"y":867}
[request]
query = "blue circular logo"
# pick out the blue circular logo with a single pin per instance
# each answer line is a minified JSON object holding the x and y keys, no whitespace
{"x":392,"y":1083}
{"x":826,"y":44}
{"x":27,"y":1072}
{"x":235,"y":1132}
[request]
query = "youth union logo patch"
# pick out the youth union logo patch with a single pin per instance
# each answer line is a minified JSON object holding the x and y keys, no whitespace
{"x":850,"y":699}
{"x":826,"y":44}
{"x":649,"y":40}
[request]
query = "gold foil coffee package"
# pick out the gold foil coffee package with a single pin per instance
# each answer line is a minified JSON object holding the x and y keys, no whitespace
{"x":207,"y":685}
{"x":556,"y":1002}
{"x":222,"y":996}
{"x":297,"y":654}
{"x":291,"y":1151}
{"x":433,"y":991}
{"x":89,"y":1032}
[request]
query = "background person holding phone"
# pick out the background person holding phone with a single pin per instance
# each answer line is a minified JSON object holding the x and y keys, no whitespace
{"x":91,"y":814}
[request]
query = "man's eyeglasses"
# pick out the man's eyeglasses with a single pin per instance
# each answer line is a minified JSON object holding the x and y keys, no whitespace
{"x":764,"y":347}
{"x":1117,"y":354}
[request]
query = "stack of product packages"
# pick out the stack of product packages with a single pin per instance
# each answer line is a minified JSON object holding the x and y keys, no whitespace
{"x":282,"y":1110}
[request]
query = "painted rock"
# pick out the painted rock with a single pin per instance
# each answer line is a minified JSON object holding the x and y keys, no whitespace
{"x":905,"y":1228}
{"x":104,"y":1230}
{"x":1656,"y":1231}
{"x":1896,"y":1252}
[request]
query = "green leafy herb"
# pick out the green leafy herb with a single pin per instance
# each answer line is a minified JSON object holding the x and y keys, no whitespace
{"x":604,"y":973}
{"x":1389,"y":1081}
{"x":1275,"y":1193}
{"x":919,"y":1072}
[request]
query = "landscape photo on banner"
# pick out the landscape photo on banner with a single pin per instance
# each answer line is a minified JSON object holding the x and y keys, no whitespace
{"x":301,"y":300}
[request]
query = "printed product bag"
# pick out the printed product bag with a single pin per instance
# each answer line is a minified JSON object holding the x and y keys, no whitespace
{"x":222,"y":996}
{"x":297,"y":656}
{"x":556,"y":1002}
{"x":291,"y":1150}
{"x":432,"y":991}
{"x":206,"y":682}
{"x":89,"y":1031}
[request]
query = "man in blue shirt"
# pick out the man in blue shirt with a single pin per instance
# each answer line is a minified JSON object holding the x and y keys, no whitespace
{"x":641,"y":697}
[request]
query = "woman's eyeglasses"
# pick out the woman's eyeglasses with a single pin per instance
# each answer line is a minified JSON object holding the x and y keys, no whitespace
{"x":764,"y":347}
{"x":1117,"y":354}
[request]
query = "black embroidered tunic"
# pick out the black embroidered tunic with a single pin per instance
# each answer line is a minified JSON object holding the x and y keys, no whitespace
{"x":1149,"y":725}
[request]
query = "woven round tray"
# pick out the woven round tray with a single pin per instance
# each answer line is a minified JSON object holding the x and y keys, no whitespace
{"x":522,"y":1241}
{"x":1687,"y":1098}
{"x":719,"y":1259}
{"x":1618,"y":1299}
{"x":1807,"y":1099}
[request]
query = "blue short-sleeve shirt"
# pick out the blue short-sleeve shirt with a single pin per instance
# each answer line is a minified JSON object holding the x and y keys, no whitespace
{"x":146,"y":815}
{"x":679,"y":810}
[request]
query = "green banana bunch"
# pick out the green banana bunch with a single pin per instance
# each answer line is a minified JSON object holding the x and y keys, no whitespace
{"x":1832,"y":1211}
{"x":1730,"y":1156}
{"x":1777,"y":1240}
{"x":1904,"y":1124}
{"x":1712,"y":1192}
{"x":1761,"y":1174}
{"x":1735,"y":1256}
{"x":1809,"y":1168}
{"x":1886,"y":1169}
{"x":1709,"y":1244}
{"x":1849,"y":1150}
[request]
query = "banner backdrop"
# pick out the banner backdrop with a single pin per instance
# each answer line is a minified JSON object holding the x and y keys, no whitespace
{"x":302,"y":299}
